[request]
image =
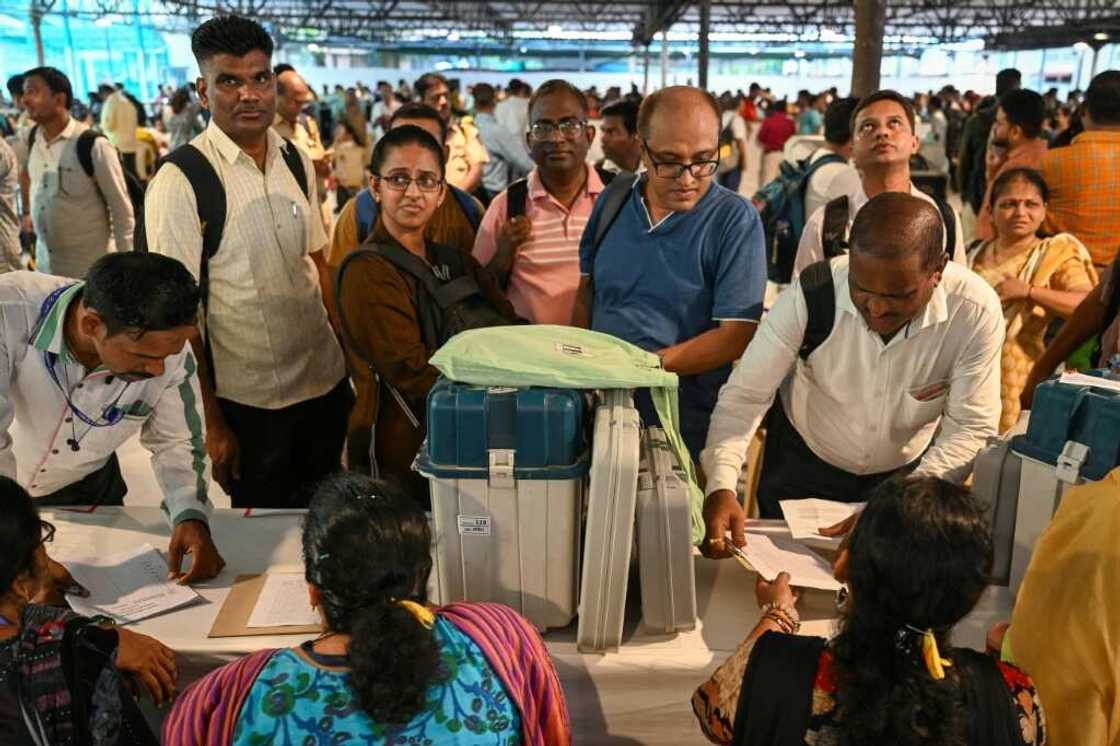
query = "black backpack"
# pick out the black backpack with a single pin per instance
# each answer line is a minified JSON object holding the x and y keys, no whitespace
{"x":133,"y":185}
{"x":449,"y":299}
{"x":834,"y":228}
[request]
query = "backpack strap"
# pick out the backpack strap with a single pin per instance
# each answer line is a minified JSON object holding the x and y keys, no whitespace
{"x":517,"y":195}
{"x":367,"y":209}
{"x":834,"y":228}
{"x":455,"y":291}
{"x":949,"y":220}
{"x":468,"y":205}
{"x":611,"y":200}
{"x":290,"y":153}
{"x":31,"y":137}
{"x":819,"y":292}
{"x":85,"y":150}
{"x":605,"y":176}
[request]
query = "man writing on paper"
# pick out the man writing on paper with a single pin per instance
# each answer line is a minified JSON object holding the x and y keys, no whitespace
{"x":859,"y":364}
{"x":84,"y":366}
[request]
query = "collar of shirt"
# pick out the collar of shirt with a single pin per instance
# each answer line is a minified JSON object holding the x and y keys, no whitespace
{"x":48,"y":334}
{"x":591,"y":187}
{"x":639,"y":194}
{"x":231,"y":151}
{"x":1105,"y":137}
{"x":935,"y":312}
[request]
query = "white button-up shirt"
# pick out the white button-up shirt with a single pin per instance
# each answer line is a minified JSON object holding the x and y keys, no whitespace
{"x":811,"y":249}
{"x":37,"y":376}
{"x":864,"y":405}
{"x":266,"y":324}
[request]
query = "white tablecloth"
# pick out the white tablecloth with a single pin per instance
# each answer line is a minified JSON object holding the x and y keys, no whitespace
{"x":638,"y":695}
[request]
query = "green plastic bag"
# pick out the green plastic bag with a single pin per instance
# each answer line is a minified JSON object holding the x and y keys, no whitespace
{"x":567,"y":357}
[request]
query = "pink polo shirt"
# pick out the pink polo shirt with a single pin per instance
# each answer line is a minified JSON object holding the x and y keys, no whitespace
{"x":545,"y":275}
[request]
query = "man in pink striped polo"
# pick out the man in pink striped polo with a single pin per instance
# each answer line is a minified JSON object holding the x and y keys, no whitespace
{"x":530,"y":235}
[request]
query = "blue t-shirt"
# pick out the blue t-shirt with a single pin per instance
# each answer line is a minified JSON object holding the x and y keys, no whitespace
{"x":659,"y":286}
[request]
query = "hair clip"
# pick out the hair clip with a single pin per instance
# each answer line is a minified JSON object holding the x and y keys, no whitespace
{"x":323,"y":556}
{"x":935,"y":664}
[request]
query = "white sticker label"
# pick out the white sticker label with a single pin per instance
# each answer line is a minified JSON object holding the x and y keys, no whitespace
{"x":572,"y":350}
{"x":474,"y":525}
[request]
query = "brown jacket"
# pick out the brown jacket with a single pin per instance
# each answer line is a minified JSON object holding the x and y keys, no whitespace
{"x":379,"y":302}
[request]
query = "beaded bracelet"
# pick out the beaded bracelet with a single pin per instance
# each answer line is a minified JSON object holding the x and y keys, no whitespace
{"x":789,"y":615}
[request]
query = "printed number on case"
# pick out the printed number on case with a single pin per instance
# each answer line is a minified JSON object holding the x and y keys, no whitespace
{"x":474,"y":525}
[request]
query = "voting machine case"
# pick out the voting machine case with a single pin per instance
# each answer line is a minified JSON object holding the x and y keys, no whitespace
{"x":610,"y":522}
{"x":664,"y":537}
{"x":507,"y":469}
{"x":1073,"y":436}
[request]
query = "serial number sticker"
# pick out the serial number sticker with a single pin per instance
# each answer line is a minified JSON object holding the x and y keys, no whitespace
{"x":474,"y":525}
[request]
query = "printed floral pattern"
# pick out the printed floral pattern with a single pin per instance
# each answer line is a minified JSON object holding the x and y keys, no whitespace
{"x":295,"y":703}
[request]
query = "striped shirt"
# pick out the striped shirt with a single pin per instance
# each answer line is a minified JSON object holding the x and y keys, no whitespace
{"x":273,"y":346}
{"x":38,"y":375}
{"x":545,"y":275}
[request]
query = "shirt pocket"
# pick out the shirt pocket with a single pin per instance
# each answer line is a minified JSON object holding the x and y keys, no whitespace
{"x":138,"y":410}
{"x":924,"y":403}
{"x":73,"y":182}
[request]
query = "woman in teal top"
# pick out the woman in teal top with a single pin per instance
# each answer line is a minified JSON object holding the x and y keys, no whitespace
{"x":388,"y":669}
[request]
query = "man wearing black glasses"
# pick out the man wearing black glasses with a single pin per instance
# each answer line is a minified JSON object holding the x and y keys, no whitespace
{"x":673,"y":262}
{"x":530,"y":235}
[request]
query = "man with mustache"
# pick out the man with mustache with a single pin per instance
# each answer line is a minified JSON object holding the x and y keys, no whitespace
{"x":278,"y":399}
{"x":530,"y":235}
{"x":84,"y":367}
{"x":871,"y":365}
{"x":883,"y":141}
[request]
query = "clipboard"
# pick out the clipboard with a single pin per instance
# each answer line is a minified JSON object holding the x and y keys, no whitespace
{"x":233,"y":617}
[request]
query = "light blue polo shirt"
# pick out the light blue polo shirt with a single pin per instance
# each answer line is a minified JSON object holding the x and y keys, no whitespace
{"x":659,"y":285}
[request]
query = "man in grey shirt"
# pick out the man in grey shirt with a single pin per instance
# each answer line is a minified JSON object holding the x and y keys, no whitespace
{"x":9,"y":216}
{"x":77,"y":208}
{"x":509,"y":155}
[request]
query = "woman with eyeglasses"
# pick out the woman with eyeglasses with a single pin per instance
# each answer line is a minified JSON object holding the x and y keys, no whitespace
{"x":917,"y":562}
{"x":63,"y":677}
{"x":388,"y":668}
{"x":391,"y":318}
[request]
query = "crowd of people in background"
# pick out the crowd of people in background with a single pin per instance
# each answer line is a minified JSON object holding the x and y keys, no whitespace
{"x":882,"y":335}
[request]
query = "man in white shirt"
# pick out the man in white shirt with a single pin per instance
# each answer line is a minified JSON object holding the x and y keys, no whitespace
{"x":834,"y":179}
{"x":276,"y":415}
{"x":84,"y":367}
{"x":883,"y":361}
{"x":512,"y":112}
{"x":386,"y":106}
{"x":883,"y":142}
{"x":119,"y":120}
{"x":79,"y":204}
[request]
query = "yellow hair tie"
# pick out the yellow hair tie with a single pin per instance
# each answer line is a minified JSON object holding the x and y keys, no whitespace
{"x":935,"y":664}
{"x":423,"y":614}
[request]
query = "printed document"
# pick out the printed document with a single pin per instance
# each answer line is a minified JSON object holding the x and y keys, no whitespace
{"x":283,"y":602}
{"x":772,"y":555}
{"x":128,"y":586}
{"x":806,"y":517}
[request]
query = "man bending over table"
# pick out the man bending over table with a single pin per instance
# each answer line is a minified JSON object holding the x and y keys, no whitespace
{"x":86,"y":365}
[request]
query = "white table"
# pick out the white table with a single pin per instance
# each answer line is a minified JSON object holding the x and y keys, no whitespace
{"x":638,"y":695}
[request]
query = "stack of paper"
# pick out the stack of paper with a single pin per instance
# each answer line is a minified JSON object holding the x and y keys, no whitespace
{"x":806,"y":517}
{"x":1080,"y":379}
{"x":128,"y":586}
{"x":283,"y":602}
{"x":772,"y":555}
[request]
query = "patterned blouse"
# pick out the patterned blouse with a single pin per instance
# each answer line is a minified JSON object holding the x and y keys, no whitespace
{"x":715,"y":702}
{"x":304,"y":698}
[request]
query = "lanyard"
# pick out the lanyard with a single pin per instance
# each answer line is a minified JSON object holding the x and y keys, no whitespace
{"x":112,"y":414}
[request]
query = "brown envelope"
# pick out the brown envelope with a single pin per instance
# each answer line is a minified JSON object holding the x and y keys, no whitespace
{"x":233,"y":618}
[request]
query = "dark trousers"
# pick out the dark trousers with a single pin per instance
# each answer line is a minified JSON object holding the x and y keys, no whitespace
{"x":103,"y":487}
{"x":285,"y":451}
{"x":791,"y":470}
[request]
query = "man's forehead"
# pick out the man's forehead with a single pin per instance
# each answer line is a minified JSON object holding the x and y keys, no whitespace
{"x":251,"y":63}
{"x":556,"y":105}
{"x":884,"y":109}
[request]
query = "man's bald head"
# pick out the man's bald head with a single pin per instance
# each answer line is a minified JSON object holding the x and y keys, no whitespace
{"x":292,"y":95}
{"x":897,"y":225}
{"x":678,"y":98}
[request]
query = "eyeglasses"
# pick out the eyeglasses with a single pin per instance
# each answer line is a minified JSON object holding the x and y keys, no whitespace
{"x":48,"y":530}
{"x":569,"y":128}
{"x":401,"y":183}
{"x":673,"y":170}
